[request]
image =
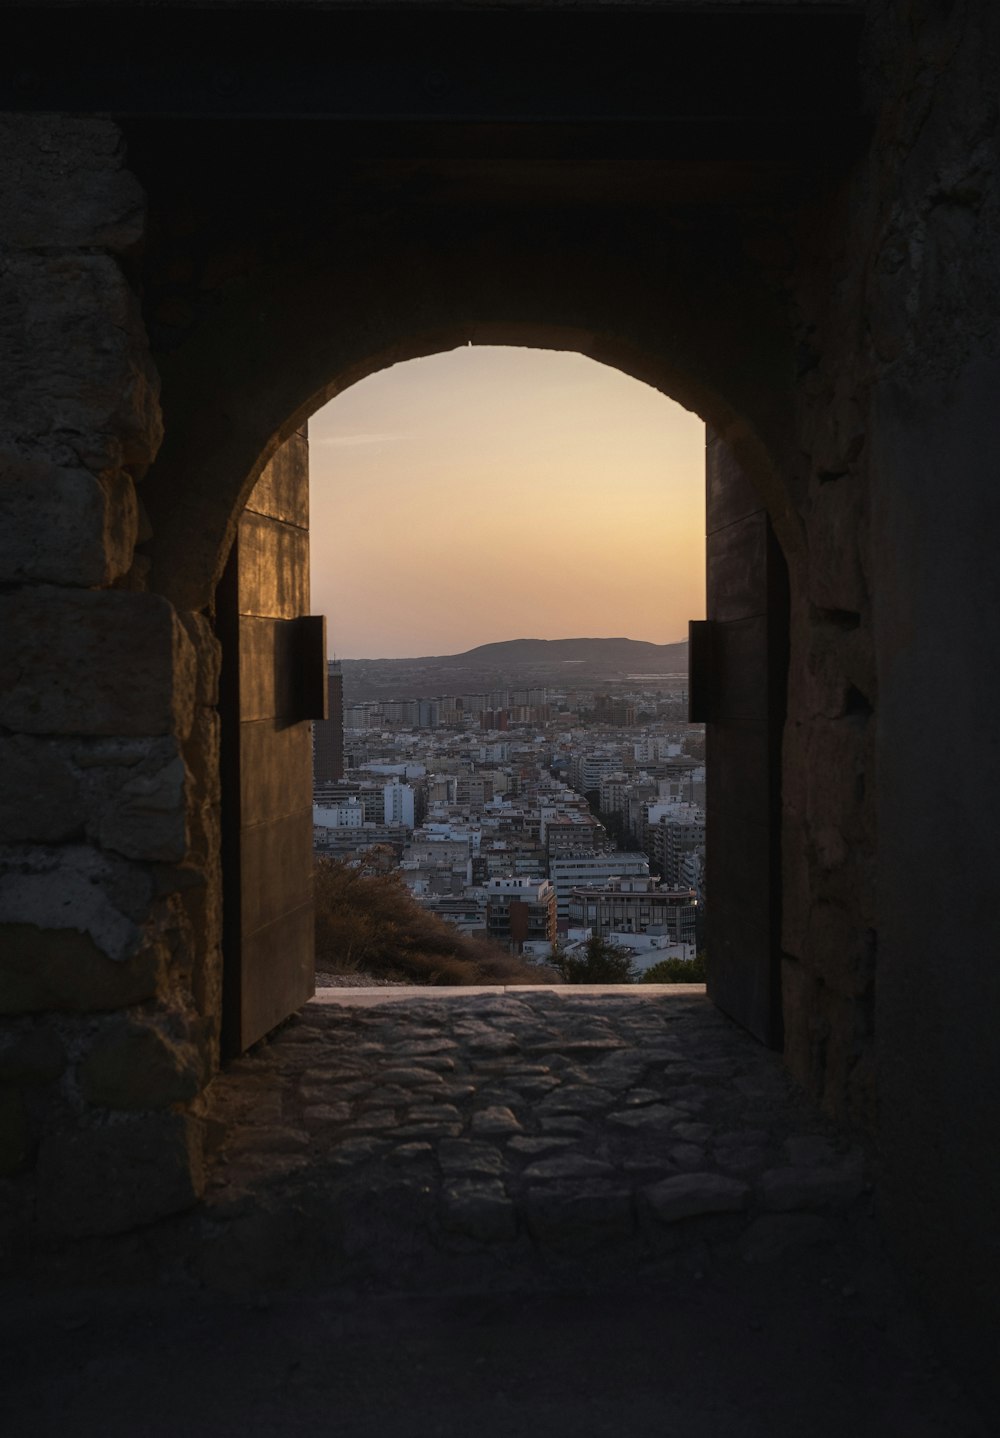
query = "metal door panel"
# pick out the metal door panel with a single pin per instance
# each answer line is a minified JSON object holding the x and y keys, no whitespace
{"x":739,"y":659}
{"x":267,"y":692}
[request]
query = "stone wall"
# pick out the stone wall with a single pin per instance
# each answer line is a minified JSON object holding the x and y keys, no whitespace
{"x":845,"y":345}
{"x":109,"y":810}
{"x":934,"y":301}
{"x":891,"y":763}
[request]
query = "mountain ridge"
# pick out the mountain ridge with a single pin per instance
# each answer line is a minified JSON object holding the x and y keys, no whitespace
{"x":540,"y":650}
{"x":515,"y":663}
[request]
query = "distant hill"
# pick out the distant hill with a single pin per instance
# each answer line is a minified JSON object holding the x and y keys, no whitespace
{"x":561,"y":663}
{"x":635,"y":655}
{"x":625,"y":652}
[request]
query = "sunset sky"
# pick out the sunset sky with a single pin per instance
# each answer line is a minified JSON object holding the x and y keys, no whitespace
{"x":492,"y":493}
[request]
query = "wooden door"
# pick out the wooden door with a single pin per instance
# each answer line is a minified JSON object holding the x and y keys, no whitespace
{"x":739,"y":666}
{"x":273,"y":682}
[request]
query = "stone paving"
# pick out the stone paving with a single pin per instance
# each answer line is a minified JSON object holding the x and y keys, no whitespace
{"x":546,"y":1213}
{"x":527,"y":1128}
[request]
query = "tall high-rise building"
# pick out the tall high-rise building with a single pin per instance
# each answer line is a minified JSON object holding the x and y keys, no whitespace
{"x":328,"y":734}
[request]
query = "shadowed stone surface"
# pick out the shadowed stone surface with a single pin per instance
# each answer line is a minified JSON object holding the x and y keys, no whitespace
{"x":692,"y":1195}
{"x":834,"y":318}
{"x":617,"y":1147}
{"x":521,"y":1282}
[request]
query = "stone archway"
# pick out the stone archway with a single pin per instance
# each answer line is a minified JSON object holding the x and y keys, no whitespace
{"x":322,"y":297}
{"x":830,"y":307}
{"x":748,"y":607}
{"x":257,"y":313}
{"x":298,"y":333}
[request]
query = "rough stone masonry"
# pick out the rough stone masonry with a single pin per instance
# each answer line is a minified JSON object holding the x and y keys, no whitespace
{"x":108,"y":817}
{"x":842,"y":335}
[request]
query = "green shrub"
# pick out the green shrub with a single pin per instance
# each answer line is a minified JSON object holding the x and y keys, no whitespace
{"x":371,"y":923}
{"x":601,"y":963}
{"x":677,"y":971}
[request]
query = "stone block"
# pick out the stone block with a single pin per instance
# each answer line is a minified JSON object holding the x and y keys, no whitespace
{"x":208,"y":655}
{"x":532,"y":1147}
{"x":564,"y":1123}
{"x":409,"y":1152}
{"x":579,"y":1215}
{"x":67,"y":184}
{"x":110,"y":1177}
{"x":496,"y":1120}
{"x":266,"y":1141}
{"x":691,"y":1195}
{"x":137,"y":1064}
{"x":206,"y":970}
{"x":355,"y":1151}
{"x":64,"y":525}
{"x":690,"y":1157}
{"x":326,"y":1113}
{"x":575,"y":1099}
{"x":127,"y":795}
{"x":45,"y":969}
{"x":460,"y":1156}
{"x":838,"y":658}
{"x":428,"y":1130}
{"x":77,"y":887}
{"x":143,"y":813}
{"x":568,"y":1166}
{"x":75,"y":372}
{"x":94,"y":662}
{"x":654,"y":1115}
{"x":203,"y":787}
{"x":480,"y":1209}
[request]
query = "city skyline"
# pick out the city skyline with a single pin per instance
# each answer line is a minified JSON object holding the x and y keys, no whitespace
{"x":493,"y":493}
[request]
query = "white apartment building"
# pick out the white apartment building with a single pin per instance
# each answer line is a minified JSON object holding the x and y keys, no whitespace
{"x":691,"y":871}
{"x":437,"y":848}
{"x":649,"y":949}
{"x":349,"y":814}
{"x":675,"y":832}
{"x":520,"y":910}
{"x":589,"y":769}
{"x":408,"y":769}
{"x":636,"y":906}
{"x":575,"y":871}
{"x":398,"y":800}
{"x":614,"y":789}
{"x":442,"y":789}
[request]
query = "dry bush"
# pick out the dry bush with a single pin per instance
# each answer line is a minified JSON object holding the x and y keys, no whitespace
{"x":372,"y":924}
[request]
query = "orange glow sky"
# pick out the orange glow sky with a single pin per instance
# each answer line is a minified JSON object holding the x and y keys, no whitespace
{"x":492,"y":493}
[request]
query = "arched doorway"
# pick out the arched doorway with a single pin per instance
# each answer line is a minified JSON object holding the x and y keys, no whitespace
{"x":263,"y":306}
{"x":691,"y":216}
{"x":271,"y":677}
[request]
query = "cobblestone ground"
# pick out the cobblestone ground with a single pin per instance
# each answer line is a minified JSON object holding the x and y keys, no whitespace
{"x":520,"y":1127}
{"x":533,"y":1213}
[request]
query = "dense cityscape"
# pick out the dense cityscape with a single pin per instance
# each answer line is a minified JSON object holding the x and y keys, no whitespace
{"x":532,"y":816}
